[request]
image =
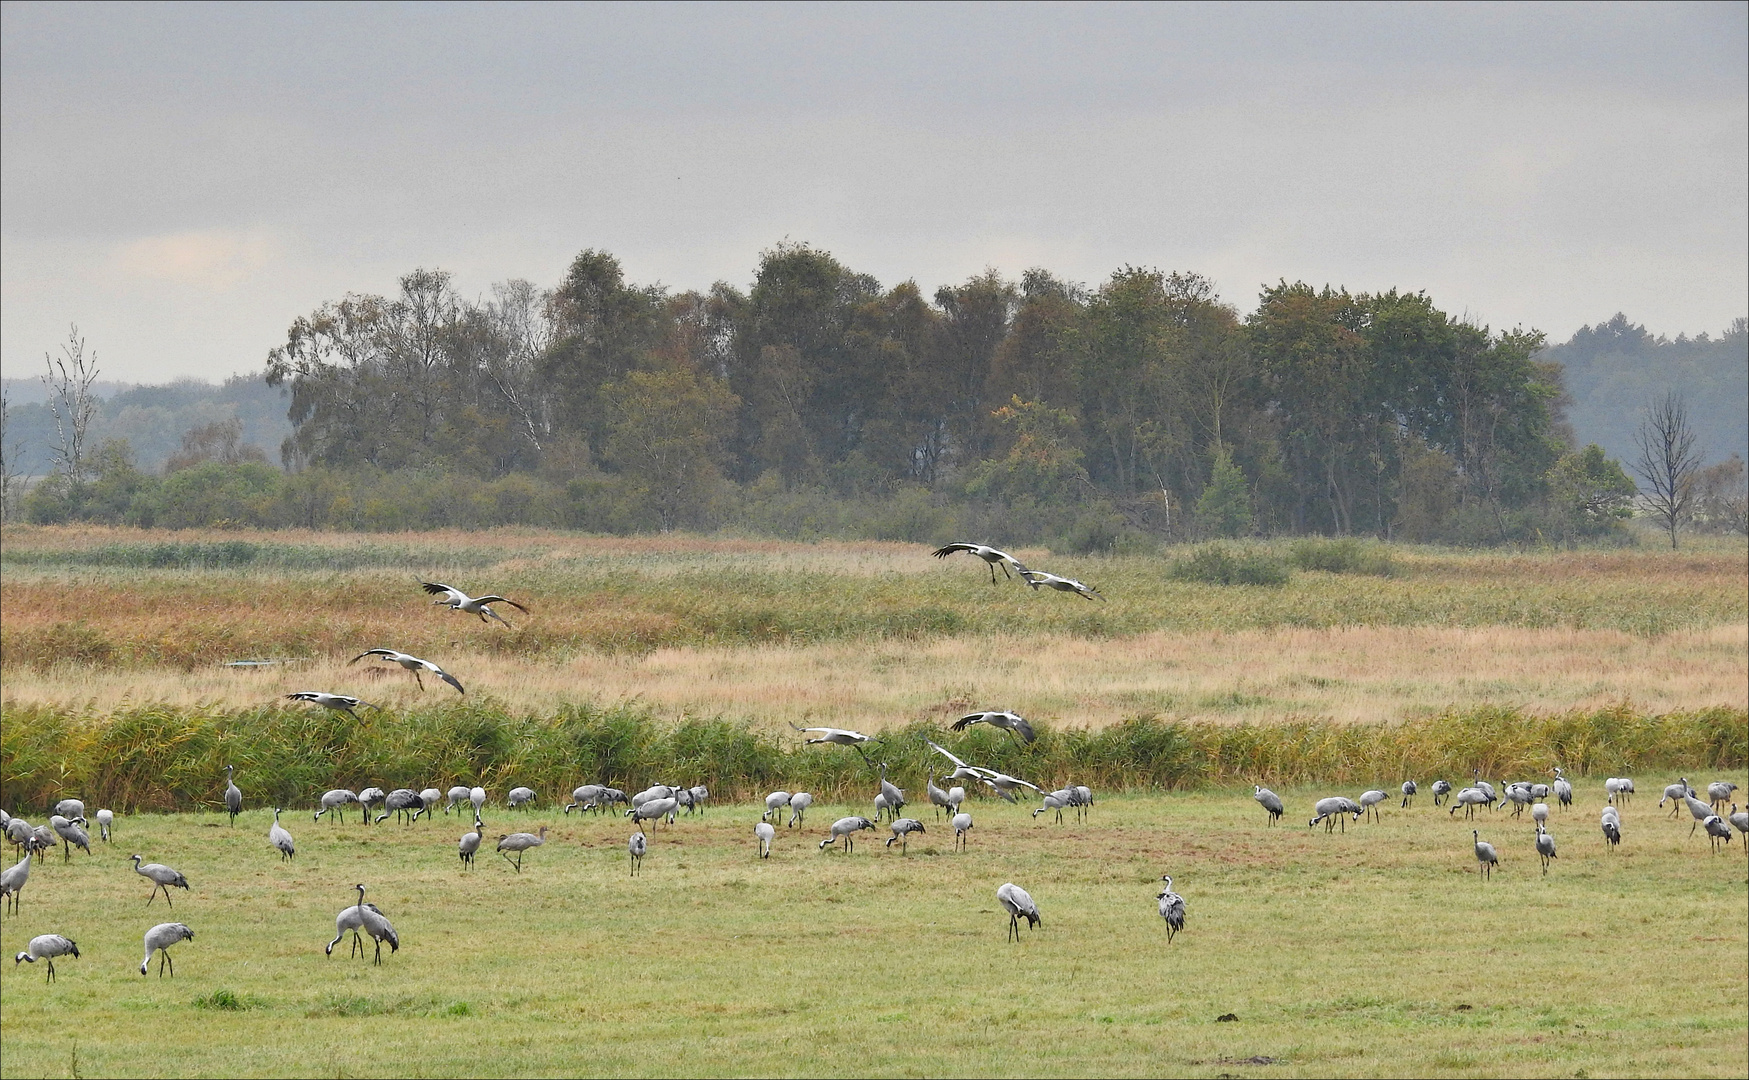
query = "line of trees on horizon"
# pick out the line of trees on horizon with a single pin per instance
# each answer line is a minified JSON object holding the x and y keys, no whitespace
{"x":820,"y":403}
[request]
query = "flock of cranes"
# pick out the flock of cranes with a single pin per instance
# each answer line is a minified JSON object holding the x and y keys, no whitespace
{"x":666,"y":802}
{"x":1336,"y":811}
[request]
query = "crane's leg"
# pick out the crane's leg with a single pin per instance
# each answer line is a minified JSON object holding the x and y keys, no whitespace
{"x":419,"y":680}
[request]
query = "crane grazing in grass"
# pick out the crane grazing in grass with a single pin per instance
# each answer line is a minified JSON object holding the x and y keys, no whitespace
{"x":233,"y":795}
{"x":519,"y":796}
{"x":774,"y":804}
{"x":105,"y":821}
{"x":798,"y":808}
{"x":990,"y":555}
{"x":519,"y":843}
{"x":456,"y":600}
{"x":1333,"y":811}
{"x":1019,"y":905}
{"x":1719,"y":792}
{"x":1409,"y":789}
{"x":281,"y":839}
{"x":765,"y":833}
{"x":1611,"y":824}
{"x":47,"y":947}
{"x":159,"y":939}
{"x":962,"y":828}
{"x":1171,"y":908}
{"x":1036,"y":578}
{"x":1270,"y":801}
{"x":162,"y":877}
{"x":368,"y":918}
{"x":1369,"y":802}
{"x":335,"y":802}
{"x":902,"y":830}
{"x":846,"y":827}
{"x":345,"y":703}
{"x":1441,"y":789}
{"x":1717,"y":830}
{"x":1007,"y":721}
{"x":414,"y":664}
{"x":839,"y":737}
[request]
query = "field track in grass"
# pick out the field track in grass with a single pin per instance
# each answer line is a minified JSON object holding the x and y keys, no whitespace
{"x":866,"y":634}
{"x":1375,"y":952}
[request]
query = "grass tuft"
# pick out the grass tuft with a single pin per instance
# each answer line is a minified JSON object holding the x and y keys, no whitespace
{"x":1217,"y":564}
{"x":1345,"y":556}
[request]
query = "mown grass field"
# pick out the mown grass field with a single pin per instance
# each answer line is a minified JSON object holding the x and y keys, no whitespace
{"x":1378,"y":952}
{"x":865,"y":635}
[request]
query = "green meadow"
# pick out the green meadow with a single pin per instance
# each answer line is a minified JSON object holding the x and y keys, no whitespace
{"x":1378,"y":951}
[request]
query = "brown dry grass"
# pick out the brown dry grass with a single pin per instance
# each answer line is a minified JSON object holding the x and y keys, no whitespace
{"x":1355,"y":674}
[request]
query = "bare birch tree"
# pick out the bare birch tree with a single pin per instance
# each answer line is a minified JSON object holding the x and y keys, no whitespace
{"x":11,"y":453}
{"x":1667,"y":461}
{"x":71,"y":402}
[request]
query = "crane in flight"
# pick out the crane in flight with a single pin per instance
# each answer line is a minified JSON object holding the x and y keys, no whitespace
{"x":414,"y":664}
{"x":840,"y":737}
{"x":1004,"y":784}
{"x":456,"y":600}
{"x":1010,"y":722}
{"x":990,"y":555}
{"x":1035,"y":578}
{"x":338,"y":702}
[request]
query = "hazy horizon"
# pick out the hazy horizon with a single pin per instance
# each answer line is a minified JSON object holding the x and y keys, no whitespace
{"x":182,"y":182}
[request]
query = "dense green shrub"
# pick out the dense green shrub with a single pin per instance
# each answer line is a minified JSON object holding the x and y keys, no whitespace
{"x":1217,"y":564}
{"x":1346,"y":556}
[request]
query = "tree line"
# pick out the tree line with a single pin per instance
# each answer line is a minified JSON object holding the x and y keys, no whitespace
{"x":818,"y":402}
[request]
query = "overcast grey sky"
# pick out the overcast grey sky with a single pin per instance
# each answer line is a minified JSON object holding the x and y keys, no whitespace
{"x":184,"y":181}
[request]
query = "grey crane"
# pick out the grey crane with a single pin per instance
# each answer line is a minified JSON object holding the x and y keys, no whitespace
{"x":657,"y":791}
{"x":1007,"y":721}
{"x":47,"y":947}
{"x":1719,"y":792}
{"x":1539,"y":812}
{"x":652,"y":811}
{"x":962,"y":827}
{"x":765,"y":833}
{"x":345,"y":703}
{"x":1369,"y":802}
{"x":902,"y":830}
{"x":1270,"y":802}
{"x":233,"y":794}
{"x":774,"y":802}
{"x":470,"y":844}
{"x":1470,"y":798}
{"x":280,"y":838}
{"x":700,"y":795}
{"x":956,"y":797}
{"x":159,"y":939}
{"x":477,"y":798}
{"x":455,"y":796}
{"x":1004,"y":785}
{"x":1717,"y":830}
{"x":990,"y":555}
{"x":798,"y":808}
{"x":937,"y":797}
{"x":1700,"y":811}
{"x":1563,"y":789}
{"x":1082,"y":801}
{"x":683,"y":797}
{"x":368,"y":798}
{"x":636,"y":846}
{"x":428,"y":800}
{"x":519,"y":843}
{"x":71,"y":836}
{"x":839,"y":737}
{"x":1486,"y":858}
{"x":1018,"y":903}
{"x":1409,"y":789}
{"x":1055,"y":800}
{"x":894,"y":794}
{"x":456,"y":600}
{"x":1441,"y":789}
{"x":1677,"y":792}
{"x":611,"y":795}
{"x":414,"y":664}
{"x":584,"y":797}
{"x":72,"y":810}
{"x":19,"y":831}
{"x":1611,"y":824}
{"x":1619,"y":789}
{"x":1332,"y":812}
{"x":370,"y":919}
{"x":880,"y":806}
{"x":846,"y":827}
{"x":105,"y":820}
{"x":1740,"y":819}
{"x":162,"y":877}
{"x":1486,"y":788}
{"x":519,"y":796}
{"x":403,"y":803}
{"x":1171,"y":909}
{"x":1545,"y":846}
{"x":1036,"y":578}
{"x":1519,"y":796}
{"x":12,"y":880}
{"x":335,"y":802}
{"x":42,"y":838}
